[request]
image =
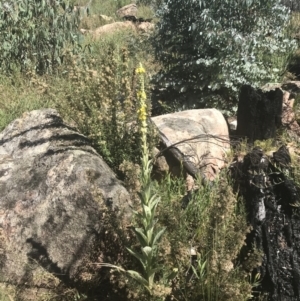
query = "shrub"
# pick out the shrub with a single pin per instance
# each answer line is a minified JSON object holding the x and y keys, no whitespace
{"x":204,"y":242}
{"x":34,"y":34}
{"x":98,"y":93}
{"x":294,"y":5}
{"x":220,"y":45}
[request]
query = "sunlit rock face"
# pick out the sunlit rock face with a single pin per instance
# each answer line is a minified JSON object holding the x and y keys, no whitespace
{"x":56,"y":196}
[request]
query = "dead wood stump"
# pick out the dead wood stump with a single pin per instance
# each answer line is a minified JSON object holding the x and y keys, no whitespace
{"x":272,"y":200}
{"x":259,"y":113}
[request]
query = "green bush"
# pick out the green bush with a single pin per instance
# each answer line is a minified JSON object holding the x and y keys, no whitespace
{"x":220,"y":45}
{"x":35,"y":34}
{"x":203,"y":242}
{"x":98,"y":96}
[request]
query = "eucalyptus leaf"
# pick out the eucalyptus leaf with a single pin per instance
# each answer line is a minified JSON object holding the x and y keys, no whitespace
{"x":33,"y":23}
{"x":218,"y":45}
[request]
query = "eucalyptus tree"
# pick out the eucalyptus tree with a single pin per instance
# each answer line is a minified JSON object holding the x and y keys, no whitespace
{"x":36,"y":33}
{"x":220,"y":45}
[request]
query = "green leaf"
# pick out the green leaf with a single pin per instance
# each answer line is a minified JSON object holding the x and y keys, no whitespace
{"x":147,"y":251}
{"x":158,"y":236}
{"x":139,"y":278}
{"x":139,"y":232}
{"x":148,"y":212}
{"x":138,"y":256}
{"x":154,"y":200}
{"x":173,"y":274}
{"x":156,"y":269}
{"x":149,"y":236}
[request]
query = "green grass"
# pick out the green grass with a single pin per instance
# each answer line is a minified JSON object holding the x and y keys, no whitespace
{"x":19,"y":95}
{"x":108,"y":7}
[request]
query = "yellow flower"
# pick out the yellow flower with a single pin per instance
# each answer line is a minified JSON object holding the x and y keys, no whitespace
{"x":140,"y":70}
{"x":142,"y":113}
{"x":141,"y":95}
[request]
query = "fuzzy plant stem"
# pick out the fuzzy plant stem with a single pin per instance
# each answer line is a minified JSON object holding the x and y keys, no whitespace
{"x":148,"y":235}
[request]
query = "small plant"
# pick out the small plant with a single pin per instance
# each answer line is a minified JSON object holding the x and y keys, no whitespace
{"x":205,"y":242}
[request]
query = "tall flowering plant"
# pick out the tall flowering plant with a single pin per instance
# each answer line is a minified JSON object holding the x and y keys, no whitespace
{"x":148,"y":234}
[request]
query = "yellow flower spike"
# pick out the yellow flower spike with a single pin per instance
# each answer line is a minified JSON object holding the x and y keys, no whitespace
{"x":142,"y":114}
{"x":149,"y":200}
{"x":140,"y":69}
{"x":142,"y":109}
{"x":141,"y":95}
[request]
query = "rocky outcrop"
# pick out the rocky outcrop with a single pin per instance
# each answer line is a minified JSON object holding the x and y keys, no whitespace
{"x":130,"y":22}
{"x":106,"y":18}
{"x":127,"y":10}
{"x":110,"y":29}
{"x":197,"y":139}
{"x":145,"y":27}
{"x":57,"y":197}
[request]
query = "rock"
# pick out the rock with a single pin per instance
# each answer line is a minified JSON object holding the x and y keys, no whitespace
{"x":145,"y":27}
{"x":160,"y":165}
{"x":196,"y":138}
{"x":106,"y":18}
{"x":292,"y":86}
{"x":259,"y":113}
{"x":85,"y":31}
{"x":58,"y":198}
{"x":233,"y":125}
{"x":127,"y":10}
{"x":112,"y":28}
{"x":290,"y":115}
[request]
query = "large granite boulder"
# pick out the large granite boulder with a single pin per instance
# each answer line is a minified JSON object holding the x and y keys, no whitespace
{"x":198,"y":139}
{"x":110,"y":29}
{"x":56,"y":199}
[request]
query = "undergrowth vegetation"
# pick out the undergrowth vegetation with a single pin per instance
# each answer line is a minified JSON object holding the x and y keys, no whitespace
{"x":185,"y":252}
